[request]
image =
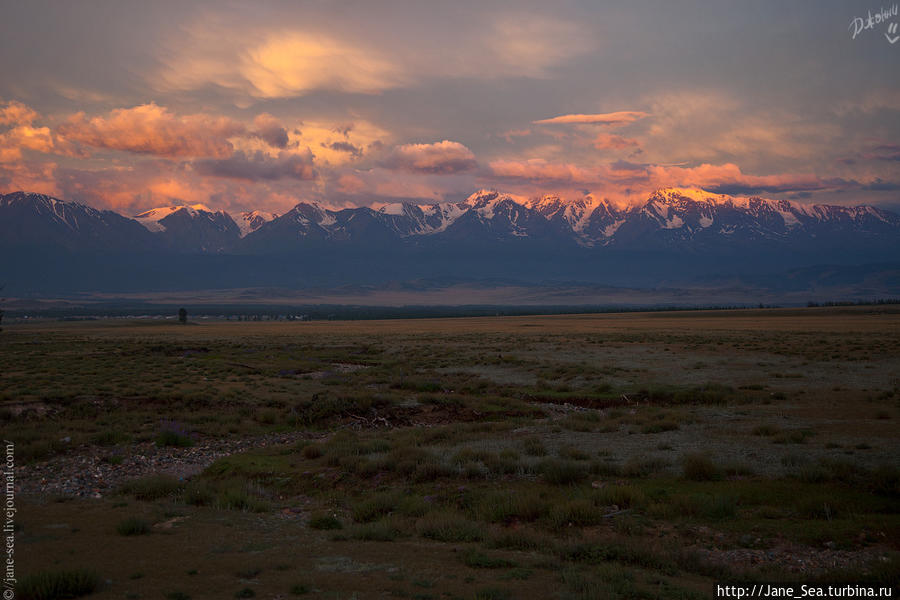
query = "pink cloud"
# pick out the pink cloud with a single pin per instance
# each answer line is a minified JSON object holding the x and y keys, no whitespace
{"x":630,"y":180}
{"x":614,"y":118}
{"x":443,"y":157}
{"x":539,"y":170}
{"x":152,"y":129}
{"x":16,"y":113}
{"x":29,"y":176}
{"x":606,"y":141}
{"x":730,"y":179}
{"x":514,"y":133}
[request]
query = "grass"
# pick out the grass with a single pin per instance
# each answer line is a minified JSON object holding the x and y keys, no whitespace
{"x":450,"y":456}
{"x":699,"y":467}
{"x":57,"y":585}
{"x":562,"y":472}
{"x":133,"y":526}
{"x":324,"y":521}
{"x":152,"y":487}
{"x":448,"y":527}
{"x":386,"y":530}
{"x":479,"y":560}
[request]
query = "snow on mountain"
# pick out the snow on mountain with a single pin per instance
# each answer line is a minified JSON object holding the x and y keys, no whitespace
{"x":667,"y":218}
{"x":248,"y":222}
{"x":64,"y":213}
{"x":408,"y":219}
{"x":29,"y":218}
{"x":151,"y":218}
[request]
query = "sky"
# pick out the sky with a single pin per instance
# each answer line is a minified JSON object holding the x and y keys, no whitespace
{"x":261,"y":105}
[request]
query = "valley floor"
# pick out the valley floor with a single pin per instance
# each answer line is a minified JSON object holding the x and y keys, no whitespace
{"x":635,"y":455}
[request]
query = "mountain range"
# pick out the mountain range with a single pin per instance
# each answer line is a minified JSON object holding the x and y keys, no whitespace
{"x":675,"y":236}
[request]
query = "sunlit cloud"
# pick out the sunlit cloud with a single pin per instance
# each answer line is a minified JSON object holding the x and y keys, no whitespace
{"x":443,"y":157}
{"x":234,"y":106}
{"x":541,"y":171}
{"x":622,"y":179}
{"x":154,"y":130}
{"x":294,"y":63}
{"x":283,"y":64}
{"x":16,"y":113}
{"x":24,"y":137}
{"x":614,"y":118}
{"x":29,"y":176}
{"x":333,"y":144}
{"x":605,"y":141}
{"x":512,"y":134}
{"x":262,"y":60}
{"x":21,"y":134}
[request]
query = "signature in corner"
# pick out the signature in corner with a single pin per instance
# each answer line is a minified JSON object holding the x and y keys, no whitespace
{"x":871,"y":21}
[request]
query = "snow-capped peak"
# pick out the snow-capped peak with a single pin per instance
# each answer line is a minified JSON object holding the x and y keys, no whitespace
{"x":482,"y":198}
{"x":694,"y":194}
{"x":253,"y":220}
{"x":151,"y":218}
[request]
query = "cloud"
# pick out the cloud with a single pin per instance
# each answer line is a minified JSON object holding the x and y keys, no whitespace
{"x":510,"y":135}
{"x":260,"y":58}
{"x":729,"y":179}
{"x":29,"y":176}
{"x":21,"y":136}
{"x":443,"y":157}
{"x":259,"y":166}
{"x":270,"y":130}
{"x":541,"y":171}
{"x":530,"y":45}
{"x":284,"y":64}
{"x":344,"y":147}
{"x":152,"y":129}
{"x":334,"y":144}
{"x":626,"y":179}
{"x":606,"y":141}
{"x":24,"y":137}
{"x":294,"y":63}
{"x":16,"y":113}
{"x":886,"y":152}
{"x":614,"y":118}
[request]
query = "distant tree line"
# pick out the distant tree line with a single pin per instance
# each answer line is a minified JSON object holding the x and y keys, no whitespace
{"x":812,"y":304}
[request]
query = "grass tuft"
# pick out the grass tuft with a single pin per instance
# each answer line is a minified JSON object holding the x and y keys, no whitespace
{"x":56,"y":585}
{"x":133,"y":526}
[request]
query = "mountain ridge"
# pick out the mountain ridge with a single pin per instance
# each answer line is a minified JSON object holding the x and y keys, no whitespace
{"x":675,"y":235}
